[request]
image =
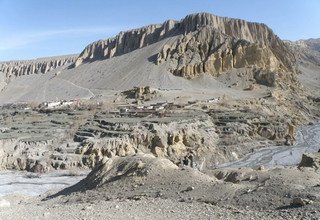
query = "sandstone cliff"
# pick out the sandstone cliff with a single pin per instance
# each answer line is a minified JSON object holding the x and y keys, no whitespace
{"x":203,"y":43}
{"x":28,"y":67}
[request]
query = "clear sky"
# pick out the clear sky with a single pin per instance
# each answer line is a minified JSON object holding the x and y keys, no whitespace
{"x":38,"y":28}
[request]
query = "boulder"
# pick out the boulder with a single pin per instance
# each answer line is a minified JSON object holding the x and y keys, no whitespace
{"x":234,"y":176}
{"x":140,"y":93}
{"x":310,"y":160}
{"x":300,"y":202}
{"x":266,"y":78}
{"x":39,"y":167}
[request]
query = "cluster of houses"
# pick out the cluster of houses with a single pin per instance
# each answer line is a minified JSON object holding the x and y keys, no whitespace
{"x":156,"y":109}
{"x":140,"y":110}
{"x":60,"y":104}
{"x":133,"y":109}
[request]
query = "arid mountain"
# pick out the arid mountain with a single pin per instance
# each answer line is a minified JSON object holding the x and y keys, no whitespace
{"x":211,"y":128}
{"x":198,"y":52}
{"x":205,"y":44}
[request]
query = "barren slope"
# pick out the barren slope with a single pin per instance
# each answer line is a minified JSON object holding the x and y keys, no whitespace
{"x":115,"y":74}
{"x":186,"y":55}
{"x":308,"y":57}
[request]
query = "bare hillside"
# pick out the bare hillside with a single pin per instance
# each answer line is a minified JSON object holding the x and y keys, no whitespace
{"x":193,"y":54}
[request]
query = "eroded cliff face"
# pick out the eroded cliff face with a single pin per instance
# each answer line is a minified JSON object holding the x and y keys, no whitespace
{"x":209,"y":51}
{"x":18,"y":68}
{"x":204,"y":44}
{"x":126,"y":42}
{"x":215,"y":44}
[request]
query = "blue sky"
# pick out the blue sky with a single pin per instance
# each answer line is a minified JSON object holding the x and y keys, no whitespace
{"x":38,"y":28}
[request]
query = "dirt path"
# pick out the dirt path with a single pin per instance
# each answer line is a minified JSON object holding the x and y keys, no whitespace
{"x":80,"y":87}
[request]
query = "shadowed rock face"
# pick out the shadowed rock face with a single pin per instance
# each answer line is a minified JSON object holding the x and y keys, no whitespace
{"x":203,"y":43}
{"x":28,"y":67}
{"x":310,"y":160}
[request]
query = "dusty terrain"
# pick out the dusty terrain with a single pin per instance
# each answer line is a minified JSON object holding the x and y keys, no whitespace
{"x":199,"y":118}
{"x":143,"y":187}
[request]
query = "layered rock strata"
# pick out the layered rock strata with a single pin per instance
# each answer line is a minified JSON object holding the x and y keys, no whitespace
{"x":67,"y":137}
{"x":38,"y":141}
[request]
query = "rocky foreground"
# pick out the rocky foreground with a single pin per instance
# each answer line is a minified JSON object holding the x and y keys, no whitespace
{"x":159,"y":162}
{"x":79,"y":135}
{"x":143,"y":187}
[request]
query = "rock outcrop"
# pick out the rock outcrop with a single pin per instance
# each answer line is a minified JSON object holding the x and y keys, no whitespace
{"x":173,"y":140}
{"x":18,"y":68}
{"x":215,"y":44}
{"x":193,"y":138}
{"x":126,"y":42}
{"x":203,"y":43}
{"x":140,"y":165}
{"x":310,"y":160}
{"x":38,"y":140}
{"x":140,"y":93}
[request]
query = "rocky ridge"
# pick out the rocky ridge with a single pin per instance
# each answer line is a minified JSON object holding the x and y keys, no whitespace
{"x":13,"y":69}
{"x":126,"y":42}
{"x":278,"y":193}
{"x":203,"y":43}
